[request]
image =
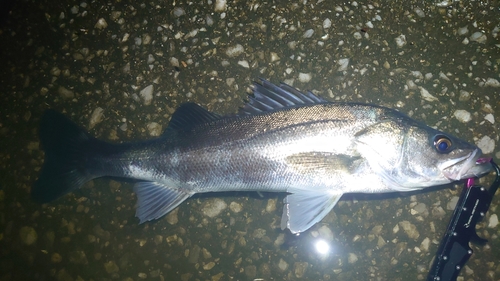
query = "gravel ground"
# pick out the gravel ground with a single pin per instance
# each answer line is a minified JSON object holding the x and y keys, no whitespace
{"x":120,"y":68}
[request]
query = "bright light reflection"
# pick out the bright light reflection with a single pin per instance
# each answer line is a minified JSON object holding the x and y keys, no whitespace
{"x":322,"y":247}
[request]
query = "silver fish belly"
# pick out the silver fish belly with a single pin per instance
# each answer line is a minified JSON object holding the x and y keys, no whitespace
{"x":282,"y":140}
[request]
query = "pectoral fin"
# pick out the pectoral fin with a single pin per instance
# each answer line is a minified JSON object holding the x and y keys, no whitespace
{"x":305,"y":208}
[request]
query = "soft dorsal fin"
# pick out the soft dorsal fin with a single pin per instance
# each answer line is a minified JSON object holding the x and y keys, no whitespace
{"x":268,"y":97}
{"x":189,"y":115}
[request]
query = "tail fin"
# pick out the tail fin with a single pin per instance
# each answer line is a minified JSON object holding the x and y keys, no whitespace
{"x":65,"y":145}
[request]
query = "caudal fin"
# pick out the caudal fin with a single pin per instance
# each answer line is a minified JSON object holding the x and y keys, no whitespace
{"x":65,"y":145}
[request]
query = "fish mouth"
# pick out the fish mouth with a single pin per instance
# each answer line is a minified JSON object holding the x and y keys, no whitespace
{"x":468,"y":166}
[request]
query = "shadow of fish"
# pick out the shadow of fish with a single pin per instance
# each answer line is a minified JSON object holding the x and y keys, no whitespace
{"x":282,"y":140}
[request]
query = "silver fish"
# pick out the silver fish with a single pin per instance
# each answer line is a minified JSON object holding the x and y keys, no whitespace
{"x":282,"y":140}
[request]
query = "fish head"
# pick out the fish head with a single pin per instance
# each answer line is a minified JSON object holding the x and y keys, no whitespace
{"x":409,"y":155}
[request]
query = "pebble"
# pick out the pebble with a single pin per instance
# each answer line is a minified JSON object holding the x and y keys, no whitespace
{"x":96,"y":117}
{"x":410,"y":229}
{"x":486,"y":144}
{"x":235,"y":207}
{"x":172,"y":217}
{"x":220,"y":5}
{"x":147,"y":94}
{"x":235,"y":51}
{"x":343,"y":64}
{"x":28,"y":235}
{"x":244,"y":63}
{"x":326,"y":233}
{"x":490,"y":118}
{"x":478,"y":37}
{"x":462,"y":115}
{"x":111,"y":267}
{"x":308,"y":34}
{"x":463,"y":30}
{"x":400,"y":41}
{"x":425,"y":244}
{"x":300,"y":269}
{"x":305,"y":77}
{"x":274,"y":57}
{"x":282,"y":265}
{"x":493,"y":222}
{"x":426,"y":95}
{"x":155,"y":129}
{"x":55,"y":258}
{"x":209,"y":265}
{"x":452,"y":203}
{"x":178,"y":12}
{"x":327,"y":23}
{"x":492,"y":82}
{"x":101,"y":24}
{"x":352,"y":258}
{"x":271,"y":205}
{"x":213,"y":207}
{"x":65,"y":93}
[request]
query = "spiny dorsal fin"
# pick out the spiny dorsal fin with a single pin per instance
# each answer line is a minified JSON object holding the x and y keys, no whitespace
{"x":268,"y":97}
{"x":189,"y":115}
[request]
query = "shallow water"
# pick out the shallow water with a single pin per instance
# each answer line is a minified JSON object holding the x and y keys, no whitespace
{"x":90,"y":57}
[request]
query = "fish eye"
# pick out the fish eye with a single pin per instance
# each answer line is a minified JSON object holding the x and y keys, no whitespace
{"x":442,"y":143}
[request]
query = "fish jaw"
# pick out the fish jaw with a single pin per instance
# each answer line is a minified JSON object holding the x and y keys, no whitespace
{"x":467,"y":166}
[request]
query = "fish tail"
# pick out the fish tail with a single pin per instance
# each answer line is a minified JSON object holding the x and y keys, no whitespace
{"x":66,"y":150}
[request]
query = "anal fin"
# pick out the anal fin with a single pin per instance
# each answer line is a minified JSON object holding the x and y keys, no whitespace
{"x":155,"y":200}
{"x":305,"y":208}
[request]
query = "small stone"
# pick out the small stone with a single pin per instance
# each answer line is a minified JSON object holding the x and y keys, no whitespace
{"x":172,"y":217}
{"x":101,"y":24}
{"x":235,"y":51}
{"x":274,"y":57}
{"x":28,"y":235}
{"x":493,"y":222}
{"x":486,"y":144}
{"x":410,"y":229}
{"x":490,"y":118}
{"x":425,"y":244}
{"x":213,"y":207}
{"x":55,"y":258}
{"x":463,"y":30}
{"x":111,"y":267}
{"x":147,"y":94}
{"x":308,"y":34}
{"x":235,"y":207}
{"x":352,"y":258}
{"x":452,"y":203}
{"x":244,"y":63}
{"x":282,"y":265}
{"x":400,"y":41}
{"x":327,"y":23}
{"x":492,"y":82}
{"x":462,"y":115}
{"x":96,"y":117}
{"x":478,"y":37}
{"x":209,"y":265}
{"x":426,"y":95}
{"x":300,"y":269}
{"x":65,"y":93}
{"x":305,"y":77}
{"x":343,"y":64}
{"x":271,"y":205}
{"x":220,"y":5}
{"x":154,"y":129}
{"x":178,"y":12}
{"x":259,"y":233}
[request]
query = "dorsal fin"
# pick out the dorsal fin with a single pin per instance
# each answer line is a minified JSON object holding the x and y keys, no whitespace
{"x":268,"y":97}
{"x":189,"y":115}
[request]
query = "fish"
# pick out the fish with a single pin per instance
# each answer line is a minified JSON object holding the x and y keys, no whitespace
{"x":280,"y":140}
